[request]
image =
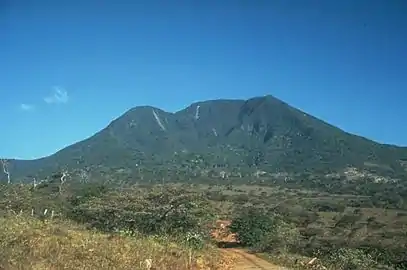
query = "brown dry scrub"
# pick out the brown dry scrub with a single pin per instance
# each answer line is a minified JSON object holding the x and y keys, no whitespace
{"x":27,"y":243}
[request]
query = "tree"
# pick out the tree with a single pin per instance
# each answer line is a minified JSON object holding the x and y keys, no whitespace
{"x":6,"y":170}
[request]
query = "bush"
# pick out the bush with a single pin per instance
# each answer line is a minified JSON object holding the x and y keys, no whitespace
{"x":262,"y":231}
{"x":252,"y":227}
{"x":349,"y":259}
{"x":171,"y":211}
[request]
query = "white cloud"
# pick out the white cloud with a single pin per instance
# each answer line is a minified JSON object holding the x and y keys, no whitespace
{"x":26,"y":107}
{"x":59,"y":95}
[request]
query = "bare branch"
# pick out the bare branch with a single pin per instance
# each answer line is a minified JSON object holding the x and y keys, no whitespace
{"x":6,"y":170}
{"x":64,"y":175}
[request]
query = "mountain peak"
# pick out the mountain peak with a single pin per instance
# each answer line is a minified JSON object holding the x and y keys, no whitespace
{"x":262,"y":132}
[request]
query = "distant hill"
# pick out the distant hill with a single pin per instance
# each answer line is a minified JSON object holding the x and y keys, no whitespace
{"x":259,"y":133}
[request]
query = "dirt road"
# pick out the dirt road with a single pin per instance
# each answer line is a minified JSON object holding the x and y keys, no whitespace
{"x":247,"y":261}
{"x":243,"y":260}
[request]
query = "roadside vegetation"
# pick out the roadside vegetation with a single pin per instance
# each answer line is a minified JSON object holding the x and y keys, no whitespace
{"x":54,"y":224}
{"x":29,"y":243}
{"x":295,"y":227}
{"x":93,"y":226}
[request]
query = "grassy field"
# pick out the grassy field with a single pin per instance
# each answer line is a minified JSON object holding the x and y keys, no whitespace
{"x":29,"y":243}
{"x":97,"y":227}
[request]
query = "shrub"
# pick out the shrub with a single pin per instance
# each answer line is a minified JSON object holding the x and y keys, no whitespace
{"x":262,"y":231}
{"x":171,"y":211}
{"x":349,"y":259}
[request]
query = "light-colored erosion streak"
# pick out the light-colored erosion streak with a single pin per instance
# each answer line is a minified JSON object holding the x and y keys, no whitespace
{"x":158,"y":120}
{"x":197,"y":112}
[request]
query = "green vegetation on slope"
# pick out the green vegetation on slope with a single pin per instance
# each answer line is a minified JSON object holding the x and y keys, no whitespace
{"x":260,"y":133}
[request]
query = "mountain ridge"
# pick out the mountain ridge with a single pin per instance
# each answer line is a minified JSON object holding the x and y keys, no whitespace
{"x":262,"y":132}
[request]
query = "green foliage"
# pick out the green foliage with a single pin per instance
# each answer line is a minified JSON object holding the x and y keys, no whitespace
{"x":171,"y":211}
{"x":195,"y":240}
{"x":238,"y":135}
{"x":84,"y":192}
{"x":263,"y":231}
{"x":14,"y":198}
{"x":349,"y":259}
{"x":252,"y":226}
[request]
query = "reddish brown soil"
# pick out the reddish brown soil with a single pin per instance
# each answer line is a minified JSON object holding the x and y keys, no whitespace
{"x":243,"y":259}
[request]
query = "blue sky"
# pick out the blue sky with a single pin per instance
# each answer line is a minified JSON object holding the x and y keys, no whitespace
{"x":68,"y":68}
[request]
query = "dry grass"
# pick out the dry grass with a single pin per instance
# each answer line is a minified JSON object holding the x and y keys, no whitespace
{"x":27,"y":243}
